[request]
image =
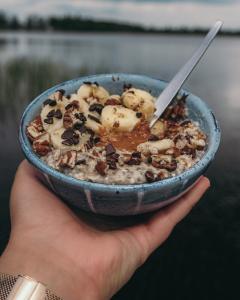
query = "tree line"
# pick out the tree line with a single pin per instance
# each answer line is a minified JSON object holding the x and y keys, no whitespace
{"x":79,"y":24}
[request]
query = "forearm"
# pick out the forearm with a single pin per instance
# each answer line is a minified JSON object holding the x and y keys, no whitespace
{"x":54,"y":273}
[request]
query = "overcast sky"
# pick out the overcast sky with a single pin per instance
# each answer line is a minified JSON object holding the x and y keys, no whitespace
{"x":156,"y":13}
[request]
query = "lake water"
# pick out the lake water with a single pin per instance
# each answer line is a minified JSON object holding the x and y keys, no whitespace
{"x":201,"y":258}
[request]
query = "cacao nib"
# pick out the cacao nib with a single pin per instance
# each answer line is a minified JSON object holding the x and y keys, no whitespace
{"x":67,"y":134}
{"x":153,"y":137}
{"x":189,"y":151}
{"x":138,"y":114}
{"x":186,"y":122}
{"x":136,"y":154}
{"x":149,"y":159}
{"x":110,"y":149}
{"x":50,"y":102}
{"x":96,"y":140}
{"x":81,"y":162}
{"x":149,"y":176}
{"x":81,"y":117}
{"x":58,"y":114}
{"x":68,"y":142}
{"x":96,"y":107}
{"x":51,"y":113}
{"x":127,"y":86}
{"x":94,"y":118}
{"x":134,"y":161}
{"x":48,"y":120}
{"x":61,"y":91}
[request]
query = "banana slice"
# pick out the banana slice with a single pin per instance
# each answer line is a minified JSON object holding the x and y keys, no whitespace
{"x":56,"y":140}
{"x":158,"y":128}
{"x":85,"y":91}
{"x":119,"y":118}
{"x":93,"y":90}
{"x":100,"y":93}
{"x":139,"y":100}
{"x":94,"y":126}
{"x":155,"y":147}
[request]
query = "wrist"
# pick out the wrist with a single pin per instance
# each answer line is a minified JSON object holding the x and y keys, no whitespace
{"x":57,"y":273}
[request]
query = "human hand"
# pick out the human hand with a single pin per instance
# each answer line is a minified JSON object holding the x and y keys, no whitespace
{"x":77,"y":261}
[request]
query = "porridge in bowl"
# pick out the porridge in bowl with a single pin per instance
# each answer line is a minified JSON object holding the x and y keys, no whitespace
{"x":95,"y":136}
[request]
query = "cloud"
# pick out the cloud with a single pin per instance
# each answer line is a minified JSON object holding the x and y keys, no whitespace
{"x":154,"y":13}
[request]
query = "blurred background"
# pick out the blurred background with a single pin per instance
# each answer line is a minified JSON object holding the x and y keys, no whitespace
{"x":45,"y":42}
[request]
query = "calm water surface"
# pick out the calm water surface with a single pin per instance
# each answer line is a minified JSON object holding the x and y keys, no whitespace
{"x":201,"y":258}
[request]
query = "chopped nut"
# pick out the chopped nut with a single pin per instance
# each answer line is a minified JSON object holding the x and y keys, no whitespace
{"x":35,"y":128}
{"x":67,"y":120}
{"x":68,"y":159}
{"x":41,"y":147}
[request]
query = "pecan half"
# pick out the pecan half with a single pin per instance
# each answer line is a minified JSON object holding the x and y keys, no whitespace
{"x":101,"y":167}
{"x":67,"y":120}
{"x":41,"y":147}
{"x":68,"y":159}
{"x":35,"y":129}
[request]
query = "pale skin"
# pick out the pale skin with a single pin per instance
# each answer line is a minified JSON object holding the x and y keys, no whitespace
{"x":74,"y":259}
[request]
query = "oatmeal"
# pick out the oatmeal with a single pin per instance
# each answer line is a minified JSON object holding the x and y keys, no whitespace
{"x":95,"y":136}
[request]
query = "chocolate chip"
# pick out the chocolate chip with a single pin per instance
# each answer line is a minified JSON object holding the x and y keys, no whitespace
{"x":68,"y":96}
{"x":138,"y":114}
{"x":81,"y":162}
{"x":149,"y":176}
{"x":96,"y":107}
{"x":94,"y":118}
{"x":67,"y":134}
{"x":96,"y":83}
{"x":87,"y":82}
{"x":110,"y":149}
{"x":58,"y":114}
{"x":48,"y":120}
{"x":153,"y":137}
{"x":51,"y":113}
{"x":67,"y":142}
{"x":101,"y":167}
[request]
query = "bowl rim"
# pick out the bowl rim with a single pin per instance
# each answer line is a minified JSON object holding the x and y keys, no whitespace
{"x":66,"y":179}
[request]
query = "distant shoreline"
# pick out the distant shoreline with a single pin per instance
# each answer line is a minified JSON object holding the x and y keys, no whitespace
{"x":159,"y":32}
{"x":78,"y":24}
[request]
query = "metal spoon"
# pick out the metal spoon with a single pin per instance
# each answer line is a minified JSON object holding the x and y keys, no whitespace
{"x":176,"y":83}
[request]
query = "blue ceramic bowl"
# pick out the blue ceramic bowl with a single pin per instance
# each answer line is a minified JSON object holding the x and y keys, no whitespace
{"x":122,"y":199}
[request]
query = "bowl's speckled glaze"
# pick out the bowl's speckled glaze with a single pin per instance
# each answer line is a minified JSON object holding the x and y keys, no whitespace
{"x":122,"y":199}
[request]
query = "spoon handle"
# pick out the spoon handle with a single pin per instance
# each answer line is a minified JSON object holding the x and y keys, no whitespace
{"x":176,"y":83}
